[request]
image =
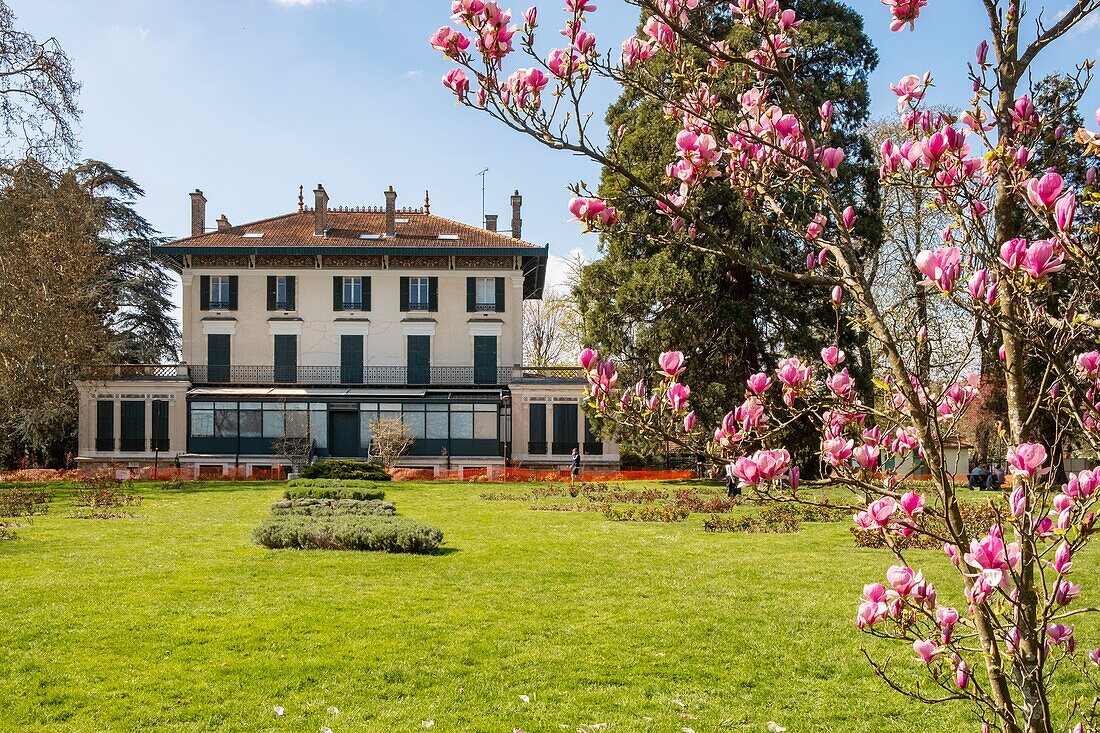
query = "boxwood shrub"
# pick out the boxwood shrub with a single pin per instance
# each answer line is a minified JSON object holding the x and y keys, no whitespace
{"x":371,"y":532}
{"x":338,"y":483}
{"x":361,"y":493}
{"x":346,"y":469}
{"x":330,"y":507}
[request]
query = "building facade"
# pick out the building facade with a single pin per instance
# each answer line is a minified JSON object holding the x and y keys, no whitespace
{"x":304,"y":329}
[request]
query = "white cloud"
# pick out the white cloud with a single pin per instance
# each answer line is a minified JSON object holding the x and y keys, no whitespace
{"x":412,"y":74}
{"x":558,"y":270}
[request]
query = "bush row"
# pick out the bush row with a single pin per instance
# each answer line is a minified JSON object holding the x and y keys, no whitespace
{"x":369,"y":532}
{"x":365,"y":493}
{"x":328,"y":483}
{"x":331,"y":507}
{"x":342,"y":469}
{"x":645,"y":513}
{"x":977,"y":518}
{"x":19,"y":501}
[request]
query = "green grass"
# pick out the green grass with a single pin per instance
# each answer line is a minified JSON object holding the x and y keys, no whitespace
{"x":174,"y":621}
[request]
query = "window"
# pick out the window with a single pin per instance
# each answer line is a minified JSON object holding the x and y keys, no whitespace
{"x":219,"y":292}
{"x":132,"y":427}
{"x":418,"y":293}
{"x":485,"y":422}
{"x":353,"y":293}
{"x":536,"y":429}
{"x":281,"y":300}
{"x":436,"y":422}
{"x":486,"y":294}
{"x":225,"y":419}
{"x":202,"y":419}
{"x":251,"y":419}
{"x":160,"y":425}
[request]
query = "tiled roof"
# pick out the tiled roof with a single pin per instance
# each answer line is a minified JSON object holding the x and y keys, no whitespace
{"x":346,"y":227}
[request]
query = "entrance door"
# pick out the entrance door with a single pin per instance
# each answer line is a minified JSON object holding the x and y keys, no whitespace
{"x":419,"y":359}
{"x":485,"y":359}
{"x":351,"y":359}
{"x":343,"y":438}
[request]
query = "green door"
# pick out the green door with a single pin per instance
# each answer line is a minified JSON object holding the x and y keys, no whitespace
{"x":343,"y":438}
{"x":286,"y":358}
{"x":485,"y":359}
{"x":419,"y":359}
{"x":217,"y":357}
{"x":565,"y":428}
{"x":351,"y":359}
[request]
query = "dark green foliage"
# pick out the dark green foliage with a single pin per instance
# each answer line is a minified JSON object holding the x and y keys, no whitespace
{"x":331,"y":483}
{"x":333,"y":507}
{"x":363,"y":493}
{"x":346,"y":469}
{"x":389,"y":534}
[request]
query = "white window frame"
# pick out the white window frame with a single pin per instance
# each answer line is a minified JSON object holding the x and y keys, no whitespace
{"x":219,"y":284}
{"x":419,"y":293}
{"x":485,"y":294}
{"x":353,"y":285}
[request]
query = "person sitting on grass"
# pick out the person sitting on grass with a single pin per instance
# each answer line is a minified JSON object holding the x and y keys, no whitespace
{"x":995,"y":479}
{"x":978,"y":477}
{"x":574,"y":467}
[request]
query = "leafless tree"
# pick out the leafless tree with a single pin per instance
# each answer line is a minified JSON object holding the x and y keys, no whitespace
{"x":37,"y":94}
{"x":390,"y":440}
{"x":296,"y":451}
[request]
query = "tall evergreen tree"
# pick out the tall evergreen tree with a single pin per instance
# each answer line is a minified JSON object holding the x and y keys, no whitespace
{"x":642,"y":297}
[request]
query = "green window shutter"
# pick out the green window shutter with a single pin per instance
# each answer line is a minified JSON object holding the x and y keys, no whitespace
{"x":160,"y":425}
{"x":272,"y":281}
{"x":217,"y":357}
{"x":565,"y":427}
{"x":204,"y":292}
{"x":366,"y":293}
{"x":105,"y":425}
{"x":233,"y":292}
{"x":433,"y":294}
{"x":471,"y":294}
{"x":286,"y":358}
{"x":351,"y":359}
{"x":291,"y":292}
{"x":419,"y":349}
{"x":404,"y":296}
{"x":337,"y":293}
{"x":500,"y":295}
{"x":485,"y":359}
{"x":537,"y":423}
{"x":132,"y":426}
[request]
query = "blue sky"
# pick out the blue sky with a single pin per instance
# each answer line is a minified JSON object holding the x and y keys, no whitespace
{"x":247,"y":99}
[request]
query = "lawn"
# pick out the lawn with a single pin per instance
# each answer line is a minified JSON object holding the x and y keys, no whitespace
{"x":174,"y":621}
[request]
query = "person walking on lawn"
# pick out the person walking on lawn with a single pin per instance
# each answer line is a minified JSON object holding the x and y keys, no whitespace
{"x":574,"y":467}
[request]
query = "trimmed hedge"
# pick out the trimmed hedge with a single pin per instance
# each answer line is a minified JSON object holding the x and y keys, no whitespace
{"x":333,"y":483}
{"x":345,"y":469}
{"x":365,"y":493}
{"x":331,"y":507}
{"x":372,"y":532}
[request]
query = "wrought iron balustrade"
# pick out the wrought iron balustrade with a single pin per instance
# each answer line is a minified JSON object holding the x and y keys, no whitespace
{"x":335,"y":375}
{"x":135,"y":371}
{"x":553,"y":373}
{"x":536,"y":448}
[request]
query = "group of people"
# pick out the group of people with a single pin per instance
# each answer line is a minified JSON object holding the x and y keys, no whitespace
{"x":984,"y":477}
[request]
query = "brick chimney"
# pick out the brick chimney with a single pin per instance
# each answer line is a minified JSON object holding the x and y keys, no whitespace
{"x":320,"y":211}
{"x":198,"y":213}
{"x":517,"y":221}
{"x":223,"y":223}
{"x":491,"y":222}
{"x":391,"y":213}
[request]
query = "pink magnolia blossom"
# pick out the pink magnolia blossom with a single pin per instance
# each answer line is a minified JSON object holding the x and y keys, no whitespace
{"x":1027,"y":459}
{"x":912,"y":504}
{"x":833,"y":356}
{"x":848,"y":217}
{"x":841,"y":384}
{"x":1013,"y":253}
{"x":593,"y":212}
{"x":867,"y":456}
{"x":1063,"y":559}
{"x":689,"y":421}
{"x":1089,"y":363}
{"x":563,"y":63}
{"x":908,"y":89}
{"x":877,"y":515}
{"x":992,"y":559}
{"x":1065,"y":592}
{"x":449,"y":41}
{"x":584,"y":42}
{"x":962,"y":674}
{"x":836,"y":451}
{"x":759,"y":383}
{"x":671,"y":363}
{"x":531,"y":17}
{"x":941,"y":266}
{"x":926,"y":650}
{"x":874,"y":607}
{"x":1043,"y":192}
{"x":831,"y":158}
{"x":746,"y":471}
{"x":457,"y":81}
{"x":904,"y":12}
{"x":772,"y":463}
{"x":1060,"y":635}
{"x":1064,"y":210}
{"x":588,"y":358}
{"x":976,"y":286}
{"x":837,"y":295}
{"x":1042,"y":258}
{"x":1017,"y":502}
{"x":678,"y":394}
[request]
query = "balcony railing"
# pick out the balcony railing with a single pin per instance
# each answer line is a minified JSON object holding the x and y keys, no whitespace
{"x":334,"y":375}
{"x":553,"y":374}
{"x":537,"y":448}
{"x":135,"y":371}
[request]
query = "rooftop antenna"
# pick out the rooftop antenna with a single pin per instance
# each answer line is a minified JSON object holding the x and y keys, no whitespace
{"x":482,"y":174}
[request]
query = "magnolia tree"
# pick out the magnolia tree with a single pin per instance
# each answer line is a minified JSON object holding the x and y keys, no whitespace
{"x":744,"y":124}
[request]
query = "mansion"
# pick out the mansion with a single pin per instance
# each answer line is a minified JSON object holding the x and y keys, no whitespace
{"x":312,"y":325}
